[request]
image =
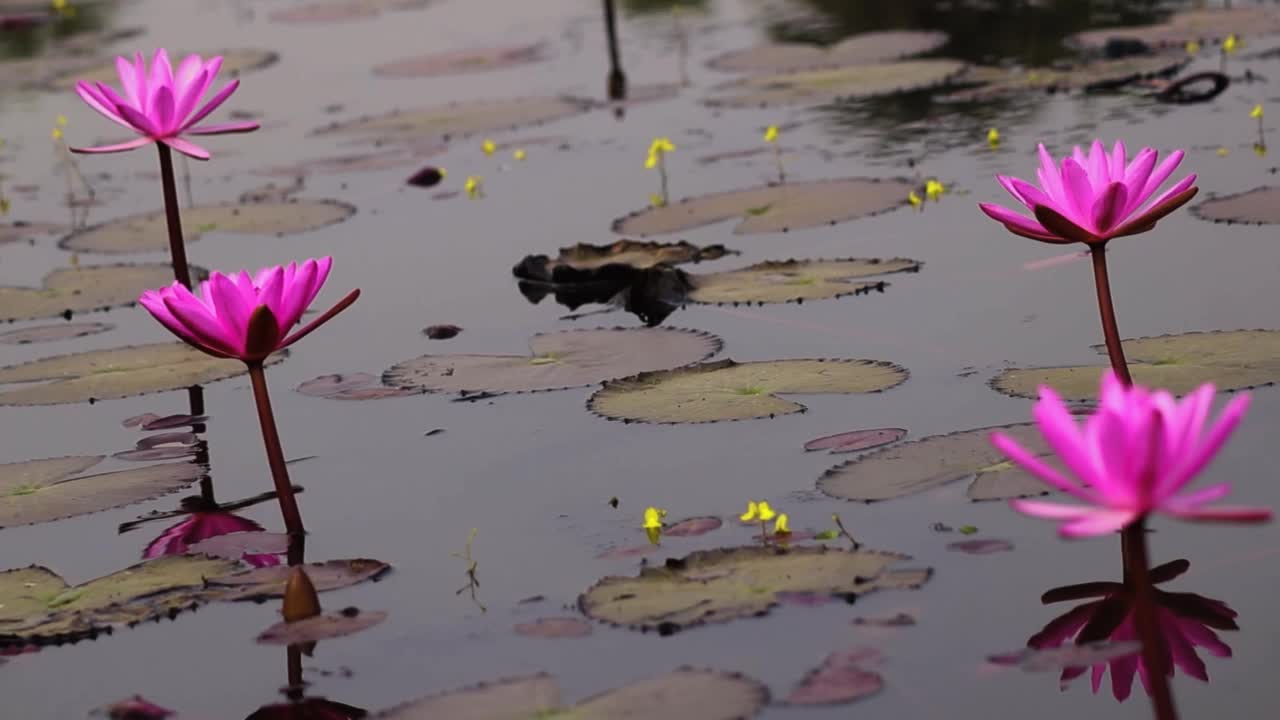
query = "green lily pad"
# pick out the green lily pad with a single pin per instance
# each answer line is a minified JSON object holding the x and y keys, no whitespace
{"x":40,"y":491}
{"x":460,"y":119}
{"x":81,"y":289}
{"x":463,"y":62}
{"x":235,"y":62}
{"x":1230,"y":359}
{"x":265,"y":583}
{"x":115,"y":373}
{"x":1260,"y":206}
{"x":565,"y":359}
{"x":1087,"y":76}
{"x":147,"y":232}
{"x":37,"y":606}
{"x":727,"y":390}
{"x":921,"y":465}
{"x":871,"y":47}
{"x":684,"y":694}
{"x":716,"y":586}
{"x":1198,"y":25}
{"x":793,"y":206}
{"x":850,"y":82}
{"x":53,"y":333}
{"x":795,"y":280}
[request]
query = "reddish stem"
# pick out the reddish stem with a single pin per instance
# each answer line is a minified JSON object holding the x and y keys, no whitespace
{"x":275,"y":455}
{"x":1155,"y":654}
{"x":1110,"y":331}
{"x":177,"y":250}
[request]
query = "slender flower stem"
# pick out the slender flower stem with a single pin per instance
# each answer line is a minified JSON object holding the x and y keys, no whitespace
{"x":662,"y":172}
{"x":1110,"y":332}
{"x":1155,"y":655}
{"x":275,"y":455}
{"x":177,"y":250}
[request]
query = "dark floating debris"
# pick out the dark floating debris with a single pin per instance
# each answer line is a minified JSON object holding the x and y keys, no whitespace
{"x":429,"y":176}
{"x":441,"y":332}
{"x":901,"y":619}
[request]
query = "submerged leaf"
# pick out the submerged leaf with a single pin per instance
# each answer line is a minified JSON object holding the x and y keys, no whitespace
{"x":1260,"y":206}
{"x":79,"y":289}
{"x":994,"y":82}
{"x":871,"y":47}
{"x":321,"y":627}
{"x":53,"y":333}
{"x":850,"y":82}
{"x":795,"y":280}
{"x":1207,"y":25}
{"x":269,"y":582}
{"x":842,"y":678}
{"x":554,"y":627}
{"x":1067,"y":656}
{"x":981,"y":547}
{"x":39,"y":491}
{"x":462,"y":62}
{"x":692,"y":527}
{"x":856,"y":440}
{"x":457,"y":120}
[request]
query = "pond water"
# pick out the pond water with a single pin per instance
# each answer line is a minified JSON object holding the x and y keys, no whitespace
{"x":534,"y":473}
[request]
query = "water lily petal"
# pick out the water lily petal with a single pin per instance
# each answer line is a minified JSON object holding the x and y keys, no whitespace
{"x":213,"y":104}
{"x":94,"y":99}
{"x":1207,"y":447}
{"x":1108,"y":207}
{"x":1078,"y":192}
{"x":118,"y":147}
{"x":1161,"y":173}
{"x":189,"y":149}
{"x":1058,"y":224}
{"x":1099,"y":522}
{"x":1029,"y":462}
{"x":1148,"y":219}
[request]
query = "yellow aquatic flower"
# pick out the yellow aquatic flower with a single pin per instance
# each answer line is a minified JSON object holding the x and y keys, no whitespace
{"x":1231,"y":44}
{"x":661,"y":145}
{"x":1256,"y":113}
{"x":1223,"y":152}
{"x":934,"y":190}
{"x":993,"y":137}
{"x":771,"y":134}
{"x":753,"y":510}
{"x":1193,"y":47}
{"x":1260,"y":149}
{"x":765,"y":513}
{"x":4,"y":206}
{"x":473,"y":186}
{"x":61,"y":120}
{"x":56,"y":133}
{"x":443,"y":173}
{"x":780,"y":526}
{"x":653,"y":517}
{"x":915,"y":200}
{"x":656,"y":200}
{"x":519,"y":154}
{"x":489,"y":147}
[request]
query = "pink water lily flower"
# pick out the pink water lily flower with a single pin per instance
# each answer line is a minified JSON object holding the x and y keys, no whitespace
{"x":1093,"y":198}
{"x":160,"y":103}
{"x":1132,"y":457}
{"x":245,"y":316}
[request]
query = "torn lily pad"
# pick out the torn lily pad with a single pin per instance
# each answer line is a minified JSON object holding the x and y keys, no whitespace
{"x":576,"y":263}
{"x":565,"y":359}
{"x":796,"y":280}
{"x":773,"y":208}
{"x":684,"y":694}
{"x":53,"y":333}
{"x":265,"y":583}
{"x":851,"y":82}
{"x":40,"y":491}
{"x":81,"y":289}
{"x":147,"y":232}
{"x":871,"y":47}
{"x":728,"y":390}
{"x":348,"y":621}
{"x":921,"y":465}
{"x":1230,"y":359}
{"x":716,"y":586}
{"x":235,"y":62}
{"x":115,"y":373}
{"x":463,"y":62}
{"x":450,"y":121}
{"x":1260,"y":206}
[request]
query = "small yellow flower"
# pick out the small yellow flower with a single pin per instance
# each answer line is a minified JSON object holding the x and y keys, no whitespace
{"x":1260,"y":149}
{"x":993,"y":137}
{"x":56,"y":133}
{"x":1193,"y":47}
{"x":518,"y":154}
{"x":1256,"y":113}
{"x":753,"y":511}
{"x":653,"y":517}
{"x":473,"y":186}
{"x":443,"y":173}
{"x":1223,"y":152}
{"x":771,"y":134}
{"x":656,"y":200}
{"x":914,"y":199}
{"x":661,"y":145}
{"x":61,"y":120}
{"x":488,"y":147}
{"x":780,"y":526}
{"x":934,"y":190}
{"x":4,"y":206}
{"x":765,"y":512}
{"x":1231,"y":44}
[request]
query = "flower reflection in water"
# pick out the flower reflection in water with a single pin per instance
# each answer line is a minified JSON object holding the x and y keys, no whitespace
{"x":1186,"y":622}
{"x":202,"y":525}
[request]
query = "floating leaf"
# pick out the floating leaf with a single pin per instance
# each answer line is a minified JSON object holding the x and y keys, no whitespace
{"x":692,"y":527}
{"x":1095,"y":76}
{"x":147,"y":232}
{"x":1230,"y":359}
{"x":554,"y":627}
{"x":871,"y":47}
{"x":575,"y":263}
{"x":351,"y":386}
{"x":79,"y":289}
{"x":569,"y":358}
{"x":462,"y":62}
{"x":235,"y":62}
{"x":728,"y":390}
{"x":1067,"y":656}
{"x":793,"y":206}
{"x":850,"y":82}
{"x":795,"y":280}
{"x":1260,"y":206}
{"x":519,"y":698}
{"x":331,"y":11}
{"x":715,"y":586}
{"x":981,"y":547}
{"x":856,"y":440}
{"x":13,"y":232}
{"x":37,"y":606}
{"x":268,"y":582}
{"x":840,"y":679}
{"x":1201,"y":25}
{"x":321,"y":627}
{"x":234,"y":546}
{"x":39,"y":491}
{"x":461,"y":119}
{"x":53,"y":333}
{"x":929,"y":463}
{"x":355,"y":162}
{"x":115,"y":373}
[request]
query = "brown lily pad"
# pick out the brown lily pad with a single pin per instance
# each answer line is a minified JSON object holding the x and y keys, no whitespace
{"x":1181,"y":27}
{"x":871,"y":47}
{"x":25,"y":231}
{"x":921,"y":465}
{"x":850,"y":82}
{"x":458,"y":120}
{"x":554,"y":627}
{"x":558,"y":360}
{"x":40,"y":491}
{"x":235,"y":62}
{"x":463,"y":62}
{"x":784,"y":281}
{"x":1086,"y":76}
{"x":345,"y":622}
{"x":842,"y":678}
{"x":856,"y":440}
{"x":1260,"y":206}
{"x":266,"y":583}
{"x":351,"y":386}
{"x":53,"y":333}
{"x":773,"y":208}
{"x":147,"y":232}
{"x":693,"y":527}
{"x":115,"y":373}
{"x":80,"y":289}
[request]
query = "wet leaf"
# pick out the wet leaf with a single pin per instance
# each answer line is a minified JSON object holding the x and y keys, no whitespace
{"x":554,"y":627}
{"x":441,"y":332}
{"x":321,"y":627}
{"x":579,"y":263}
{"x":692,"y":527}
{"x":1260,"y":206}
{"x":351,"y":386}
{"x":268,"y":582}
{"x":1230,"y":359}
{"x":922,"y":465}
{"x":1067,"y":656}
{"x":981,"y":547}
{"x":871,"y":47}
{"x":793,"y":206}
{"x":115,"y":373}
{"x":715,"y":586}
{"x":727,"y":390}
{"x":235,"y":62}
{"x":795,"y":280}
{"x":569,"y":358}
{"x":1200,"y":25}
{"x":856,"y":440}
{"x":83,"y":288}
{"x":458,"y":120}
{"x":463,"y":62}
{"x":53,"y":333}
{"x":333,"y":11}
{"x":13,"y":232}
{"x":147,"y":232}
{"x":993,"y":82}
{"x":234,"y":546}
{"x":40,"y":491}
{"x":850,"y":82}
{"x":840,"y":679}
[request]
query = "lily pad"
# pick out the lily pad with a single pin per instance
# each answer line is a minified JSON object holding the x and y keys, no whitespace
{"x":856,"y":440}
{"x":575,"y":263}
{"x":773,"y":208}
{"x":351,"y":386}
{"x":40,"y":491}
{"x":461,"y":119}
{"x":842,"y":678}
{"x":354,"y":162}
{"x":850,"y":82}
{"x":265,"y":583}
{"x":53,"y":333}
{"x":554,"y":627}
{"x":234,"y":546}
{"x":147,"y":232}
{"x":1198,"y":25}
{"x":37,"y":606}
{"x":115,"y":373}
{"x":565,"y":359}
{"x":462,"y":62}
{"x":321,"y":627}
{"x":1231,"y":359}
{"x":1260,"y":206}
{"x":13,"y":232}
{"x":1088,"y":76}
{"x":795,"y":280}
{"x":235,"y":62}
{"x":727,"y":390}
{"x":981,"y":547}
{"x":693,"y":527}
{"x":685,"y":694}
{"x":80,"y":289}
{"x":929,"y":463}
{"x":331,"y":11}
{"x":716,"y":586}
{"x":871,"y":47}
